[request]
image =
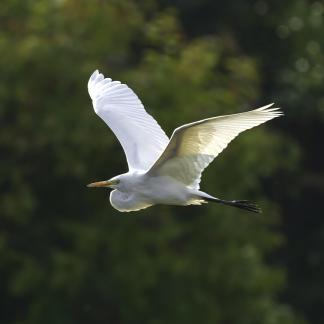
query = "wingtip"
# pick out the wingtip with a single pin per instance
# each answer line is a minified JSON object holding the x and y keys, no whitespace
{"x":269,"y":105}
{"x":95,"y":77}
{"x":266,"y":107}
{"x":94,"y":74}
{"x":275,"y":111}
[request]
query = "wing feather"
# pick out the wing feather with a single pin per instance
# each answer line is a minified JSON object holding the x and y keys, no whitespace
{"x":141,"y":137}
{"x":193,"y":146}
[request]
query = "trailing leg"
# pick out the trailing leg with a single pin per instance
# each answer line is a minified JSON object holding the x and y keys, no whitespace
{"x":242,"y":204}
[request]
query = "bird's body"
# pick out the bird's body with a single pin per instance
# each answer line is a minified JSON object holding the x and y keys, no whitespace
{"x":141,"y":190}
{"x":163,"y":171}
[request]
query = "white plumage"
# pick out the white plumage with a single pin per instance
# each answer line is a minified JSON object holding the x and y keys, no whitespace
{"x":163,"y":171}
{"x":140,"y":135}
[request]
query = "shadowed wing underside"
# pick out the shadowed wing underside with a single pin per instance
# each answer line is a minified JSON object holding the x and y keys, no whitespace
{"x":193,"y":146}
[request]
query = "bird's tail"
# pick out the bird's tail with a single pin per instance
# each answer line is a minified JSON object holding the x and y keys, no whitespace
{"x":243,"y":204}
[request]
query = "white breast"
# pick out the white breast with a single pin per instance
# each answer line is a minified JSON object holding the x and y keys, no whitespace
{"x":128,"y":201}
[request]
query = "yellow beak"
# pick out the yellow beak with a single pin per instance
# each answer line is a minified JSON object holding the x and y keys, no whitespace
{"x":100,"y":184}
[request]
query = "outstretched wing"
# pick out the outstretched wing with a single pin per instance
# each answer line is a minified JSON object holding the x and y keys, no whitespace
{"x":141,"y":137}
{"x":193,"y":146}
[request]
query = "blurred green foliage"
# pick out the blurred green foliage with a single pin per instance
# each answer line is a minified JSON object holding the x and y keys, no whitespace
{"x":66,"y":255}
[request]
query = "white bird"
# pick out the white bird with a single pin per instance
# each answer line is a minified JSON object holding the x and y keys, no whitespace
{"x":163,"y":171}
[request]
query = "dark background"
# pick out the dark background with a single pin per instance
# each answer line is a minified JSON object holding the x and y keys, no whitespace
{"x":66,"y":256}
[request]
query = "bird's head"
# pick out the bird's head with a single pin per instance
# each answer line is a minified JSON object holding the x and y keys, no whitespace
{"x":113,"y":183}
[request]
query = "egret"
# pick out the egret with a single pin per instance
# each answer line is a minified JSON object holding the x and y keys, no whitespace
{"x":163,"y":170}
